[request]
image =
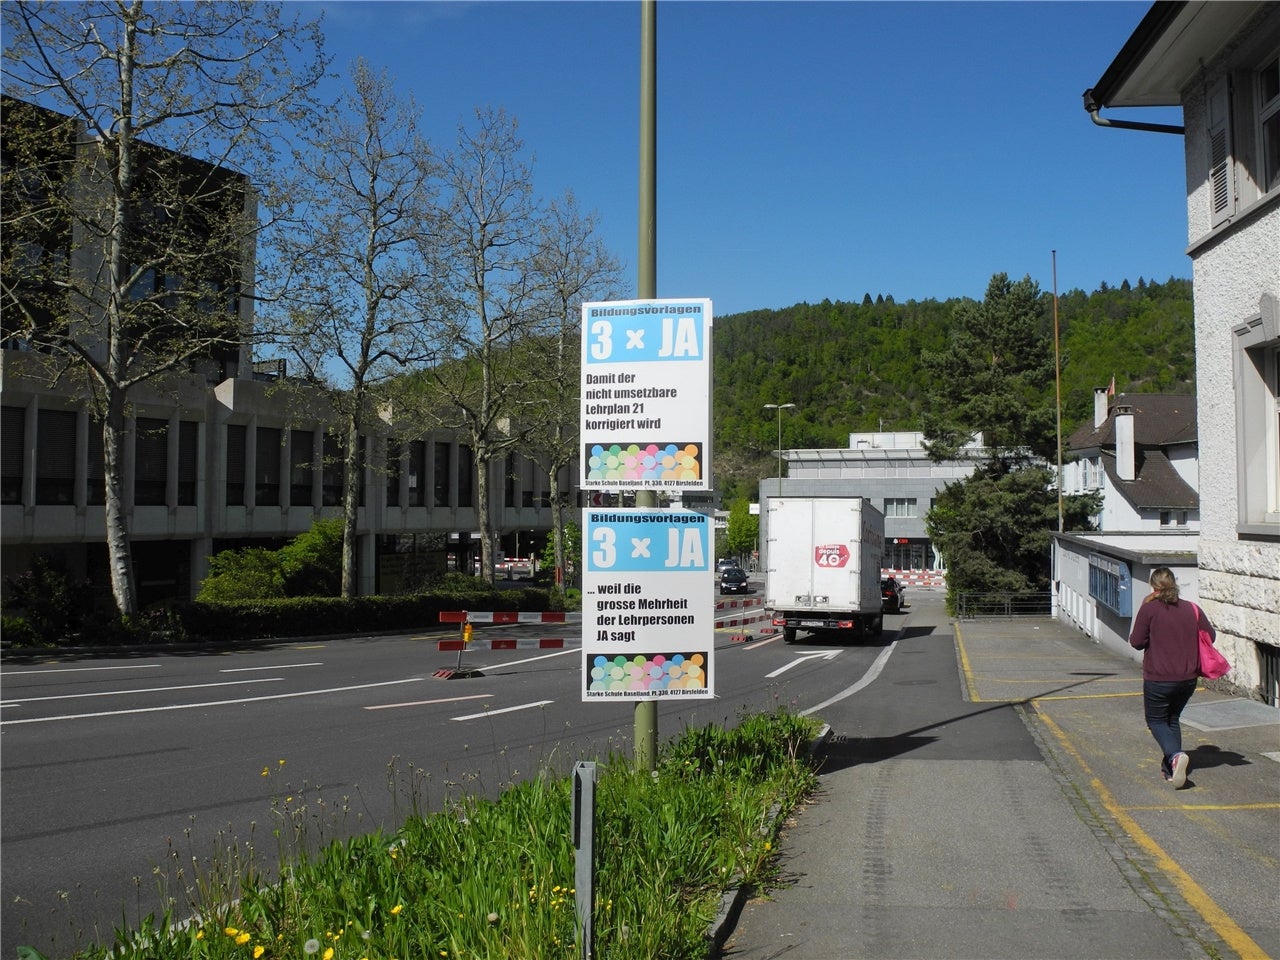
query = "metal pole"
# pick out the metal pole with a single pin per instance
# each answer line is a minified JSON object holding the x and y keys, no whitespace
{"x":1057,"y":376}
{"x":646,"y":713}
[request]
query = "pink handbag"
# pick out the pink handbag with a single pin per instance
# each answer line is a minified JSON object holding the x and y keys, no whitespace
{"x":1212,"y":664}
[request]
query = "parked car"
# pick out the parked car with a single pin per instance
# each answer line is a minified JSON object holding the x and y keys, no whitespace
{"x":733,"y":580}
{"x":890,"y":595}
{"x":725,"y":563}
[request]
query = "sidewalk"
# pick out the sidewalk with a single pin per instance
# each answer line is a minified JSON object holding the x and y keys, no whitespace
{"x":995,"y":793}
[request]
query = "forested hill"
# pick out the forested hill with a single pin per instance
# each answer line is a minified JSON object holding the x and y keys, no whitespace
{"x":855,"y":367}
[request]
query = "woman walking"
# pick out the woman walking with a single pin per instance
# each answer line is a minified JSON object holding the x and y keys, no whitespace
{"x":1167,"y":631}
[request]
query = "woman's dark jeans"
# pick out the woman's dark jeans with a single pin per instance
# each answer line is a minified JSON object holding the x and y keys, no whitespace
{"x":1163,"y":702}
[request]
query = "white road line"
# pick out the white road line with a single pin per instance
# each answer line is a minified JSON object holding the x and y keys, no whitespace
{"x":45,"y":673}
{"x":491,"y":713}
{"x":423,"y":703}
{"x":516,"y":663}
{"x":18,"y":701}
{"x":283,"y":666}
{"x":805,"y":658}
{"x":867,"y":679}
{"x":212,"y":703}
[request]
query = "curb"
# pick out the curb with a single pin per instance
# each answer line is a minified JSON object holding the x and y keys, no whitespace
{"x":734,"y":898}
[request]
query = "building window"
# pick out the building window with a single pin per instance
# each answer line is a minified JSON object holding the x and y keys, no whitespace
{"x":302,"y":449}
{"x":267,"y":481}
{"x":418,"y":473}
{"x":331,"y":474}
{"x":150,"y":462}
{"x":236,"y":444}
{"x":1256,"y":362}
{"x":56,"y":457}
{"x":188,"y":461}
{"x":394,"y":453}
{"x":1110,"y":584}
{"x":466,"y":477}
{"x":513,"y":480}
{"x":1269,"y":123}
{"x":1173,"y":518}
{"x":96,"y":472}
{"x":900,"y":507}
{"x":13,"y":428}
{"x":443,"y":468}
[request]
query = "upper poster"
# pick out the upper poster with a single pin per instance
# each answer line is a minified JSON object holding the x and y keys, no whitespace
{"x":646,"y":395}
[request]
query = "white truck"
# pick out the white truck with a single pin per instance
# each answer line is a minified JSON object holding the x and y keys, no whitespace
{"x":823,"y":566}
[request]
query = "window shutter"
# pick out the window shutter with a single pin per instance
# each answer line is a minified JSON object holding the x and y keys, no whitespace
{"x":12,"y":445}
{"x":1221,"y":192}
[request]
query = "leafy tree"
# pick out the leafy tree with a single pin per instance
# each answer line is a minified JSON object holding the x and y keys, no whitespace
{"x":253,"y":573}
{"x":489,"y":232}
{"x":368,"y":279}
{"x":743,"y":531}
{"x":310,"y":565}
{"x":139,"y":88}
{"x":996,"y":378}
{"x":572,"y":266}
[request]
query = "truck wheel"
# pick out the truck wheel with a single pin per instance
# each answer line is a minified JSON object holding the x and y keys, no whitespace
{"x":788,"y":634}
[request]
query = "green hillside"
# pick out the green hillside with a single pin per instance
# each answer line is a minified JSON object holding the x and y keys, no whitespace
{"x":854,"y":367}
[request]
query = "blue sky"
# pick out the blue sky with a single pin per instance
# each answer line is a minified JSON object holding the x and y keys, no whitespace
{"x":813,"y":150}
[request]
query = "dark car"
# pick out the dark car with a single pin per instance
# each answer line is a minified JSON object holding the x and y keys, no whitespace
{"x":733,"y":580}
{"x":890,"y":596}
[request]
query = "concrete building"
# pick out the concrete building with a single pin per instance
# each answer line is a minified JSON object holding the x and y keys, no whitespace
{"x":1220,"y":63}
{"x":895,"y":473}
{"x":226,"y":453}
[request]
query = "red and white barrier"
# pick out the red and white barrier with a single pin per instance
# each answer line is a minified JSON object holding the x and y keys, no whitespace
{"x":918,"y":578}
{"x":504,"y":643}
{"x":509,"y":616}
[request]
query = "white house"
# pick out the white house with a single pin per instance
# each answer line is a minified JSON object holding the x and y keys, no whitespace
{"x":1220,"y":62}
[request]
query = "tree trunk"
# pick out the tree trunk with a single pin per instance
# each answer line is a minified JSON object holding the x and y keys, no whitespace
{"x":119,"y":552}
{"x":350,"y":506}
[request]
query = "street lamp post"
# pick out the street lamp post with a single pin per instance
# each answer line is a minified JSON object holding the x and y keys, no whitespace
{"x":779,"y":407}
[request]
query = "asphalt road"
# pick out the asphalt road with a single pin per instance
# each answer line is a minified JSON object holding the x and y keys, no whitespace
{"x":117,"y":771}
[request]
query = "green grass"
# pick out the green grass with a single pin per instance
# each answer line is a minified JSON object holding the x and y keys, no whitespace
{"x":494,"y":879}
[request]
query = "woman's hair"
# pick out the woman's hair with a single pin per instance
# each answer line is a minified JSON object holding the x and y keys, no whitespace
{"x":1164,"y":585}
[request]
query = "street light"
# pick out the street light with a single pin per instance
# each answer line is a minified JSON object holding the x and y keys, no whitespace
{"x":779,"y":407}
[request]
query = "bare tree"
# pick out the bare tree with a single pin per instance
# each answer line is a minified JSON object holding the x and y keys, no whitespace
{"x":368,"y":274}
{"x":489,"y":238}
{"x":574,"y":266}
{"x":134,"y":203}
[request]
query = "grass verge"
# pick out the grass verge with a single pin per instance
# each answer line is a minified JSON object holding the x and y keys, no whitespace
{"x":494,"y":880}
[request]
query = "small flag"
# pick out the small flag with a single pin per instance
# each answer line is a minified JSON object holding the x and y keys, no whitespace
{"x":1111,"y":390}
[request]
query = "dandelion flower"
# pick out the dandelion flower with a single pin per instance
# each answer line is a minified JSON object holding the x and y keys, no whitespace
{"x":492,"y":918}
{"x":230,"y":931}
{"x":258,"y":951}
{"x":266,"y":771}
{"x":242,"y":938}
{"x":395,"y":911}
{"x":311,"y":946}
{"x":328,"y":954}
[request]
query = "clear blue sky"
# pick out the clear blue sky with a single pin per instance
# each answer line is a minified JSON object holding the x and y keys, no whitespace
{"x":813,"y":150}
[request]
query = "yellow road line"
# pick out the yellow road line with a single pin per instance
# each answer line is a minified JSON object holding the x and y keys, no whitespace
{"x":1205,"y":807}
{"x":970,"y":682}
{"x":1201,"y":902}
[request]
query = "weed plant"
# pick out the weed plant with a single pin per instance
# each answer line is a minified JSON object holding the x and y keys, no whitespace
{"x":485,"y":880}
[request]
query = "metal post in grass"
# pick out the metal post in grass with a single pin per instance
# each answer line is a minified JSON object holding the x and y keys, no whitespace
{"x":584,"y":853}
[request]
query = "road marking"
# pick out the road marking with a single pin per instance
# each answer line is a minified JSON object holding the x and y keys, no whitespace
{"x":423,"y":703}
{"x":212,"y":703}
{"x":828,"y":655}
{"x":1197,"y":899}
{"x":492,"y":713}
{"x":45,"y":673}
{"x":285,"y":666}
{"x":867,"y":679}
{"x":548,"y":656}
{"x":123,"y":693}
